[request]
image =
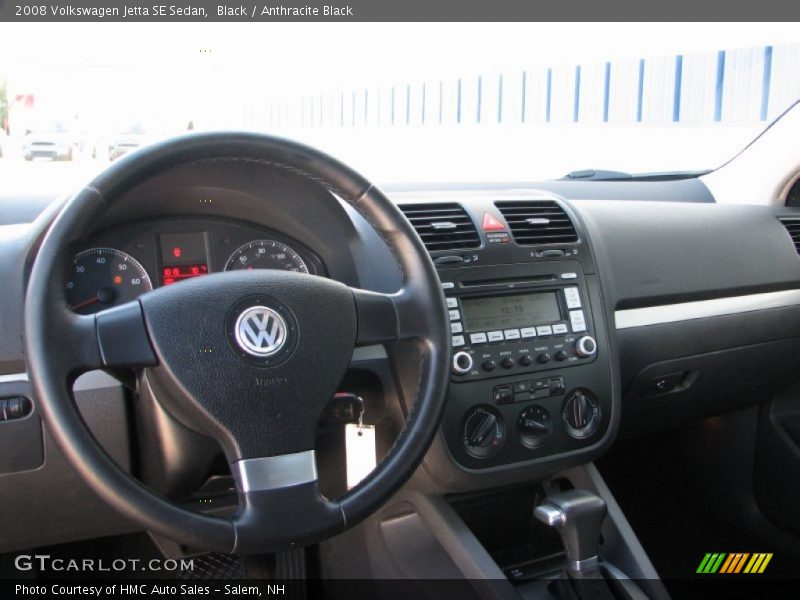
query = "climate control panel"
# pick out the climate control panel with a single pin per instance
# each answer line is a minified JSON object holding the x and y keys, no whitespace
{"x":524,"y":419}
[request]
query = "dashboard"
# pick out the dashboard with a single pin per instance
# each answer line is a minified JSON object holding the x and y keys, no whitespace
{"x":627,"y":317}
{"x":126,"y":262}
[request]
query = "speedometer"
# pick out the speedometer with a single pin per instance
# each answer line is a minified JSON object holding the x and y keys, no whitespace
{"x":266,"y":254}
{"x":104,"y":277}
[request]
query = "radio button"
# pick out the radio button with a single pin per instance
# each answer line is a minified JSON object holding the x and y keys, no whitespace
{"x":455,"y":315}
{"x":511,"y":334}
{"x":544,"y":330}
{"x":507,"y":363}
{"x":573,"y":297}
{"x":452,"y":303}
{"x":456,"y":327}
{"x":569,"y":276}
{"x":560,"y":328}
{"x":458,"y":340}
{"x":495,"y":336}
{"x":577,"y":320}
{"x":448,"y":285}
{"x":477,"y":338}
{"x":528,"y":332}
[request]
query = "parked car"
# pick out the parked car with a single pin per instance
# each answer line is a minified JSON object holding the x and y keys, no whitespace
{"x":53,"y":141}
{"x":131,"y":139}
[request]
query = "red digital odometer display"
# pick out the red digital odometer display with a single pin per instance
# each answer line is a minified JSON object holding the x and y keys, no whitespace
{"x":170,"y":275}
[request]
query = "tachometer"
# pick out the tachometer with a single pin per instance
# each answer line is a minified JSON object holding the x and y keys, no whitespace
{"x":104,"y":277}
{"x":266,"y":254}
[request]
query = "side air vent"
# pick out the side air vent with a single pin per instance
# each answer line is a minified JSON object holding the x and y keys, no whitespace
{"x":442,"y":226}
{"x":792,"y":225}
{"x":538,"y":222}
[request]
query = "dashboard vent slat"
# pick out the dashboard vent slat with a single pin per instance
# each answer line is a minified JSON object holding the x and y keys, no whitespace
{"x":442,"y":226}
{"x":538,"y":222}
{"x":792,"y":225}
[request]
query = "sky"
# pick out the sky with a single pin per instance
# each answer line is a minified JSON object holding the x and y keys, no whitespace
{"x":119,"y":72}
{"x":314,"y":55}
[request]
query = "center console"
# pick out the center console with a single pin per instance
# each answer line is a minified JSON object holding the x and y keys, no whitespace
{"x":507,"y":499}
{"x":532,"y":387}
{"x":528,"y":376}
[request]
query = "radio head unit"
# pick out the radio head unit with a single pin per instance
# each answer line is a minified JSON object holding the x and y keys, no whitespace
{"x":498,"y":332}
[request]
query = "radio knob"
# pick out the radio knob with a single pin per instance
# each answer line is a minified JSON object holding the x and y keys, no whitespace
{"x":543,"y":358}
{"x":507,"y":363}
{"x":462,"y":363}
{"x":586,"y":346}
{"x":561,"y":355}
{"x":526,"y":360}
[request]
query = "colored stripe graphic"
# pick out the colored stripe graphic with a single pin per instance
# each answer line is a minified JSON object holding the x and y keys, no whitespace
{"x":727,"y":564}
{"x":737,"y":563}
{"x":733,"y":563}
{"x":711,"y":563}
{"x":703,"y":563}
{"x":717,"y":563}
{"x":755,"y":562}
{"x":768,"y":557}
{"x":741,"y":562}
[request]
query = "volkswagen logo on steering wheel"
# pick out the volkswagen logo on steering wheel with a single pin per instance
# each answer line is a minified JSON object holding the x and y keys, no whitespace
{"x":261,"y":331}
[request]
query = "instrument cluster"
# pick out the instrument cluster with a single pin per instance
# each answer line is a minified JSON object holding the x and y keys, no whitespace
{"x":119,"y":266}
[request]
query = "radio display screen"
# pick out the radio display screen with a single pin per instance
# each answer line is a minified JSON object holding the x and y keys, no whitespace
{"x":510,"y":312}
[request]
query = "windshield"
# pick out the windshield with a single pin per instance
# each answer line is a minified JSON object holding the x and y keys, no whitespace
{"x":400,"y":102}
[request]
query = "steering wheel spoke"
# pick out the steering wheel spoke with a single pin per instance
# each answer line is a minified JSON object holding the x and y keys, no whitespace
{"x":388,"y":318}
{"x":77,"y":347}
{"x":122,"y":337}
{"x":277,"y":493}
{"x":114,"y":338}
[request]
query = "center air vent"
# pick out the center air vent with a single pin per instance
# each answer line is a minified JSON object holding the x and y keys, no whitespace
{"x":442,"y":226}
{"x":792,"y":225}
{"x":538,"y":222}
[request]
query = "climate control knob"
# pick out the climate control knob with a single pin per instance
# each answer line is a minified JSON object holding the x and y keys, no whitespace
{"x":462,"y":363}
{"x":482,"y":431}
{"x":534,"y":426}
{"x":581,"y":414}
{"x":586,"y":346}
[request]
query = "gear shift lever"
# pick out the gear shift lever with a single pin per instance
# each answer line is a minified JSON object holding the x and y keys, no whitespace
{"x":577,"y":515}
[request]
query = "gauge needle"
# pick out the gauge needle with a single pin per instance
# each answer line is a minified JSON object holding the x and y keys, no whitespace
{"x":88,"y":302}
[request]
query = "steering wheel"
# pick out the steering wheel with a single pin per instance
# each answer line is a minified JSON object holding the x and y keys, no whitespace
{"x":249,"y":358}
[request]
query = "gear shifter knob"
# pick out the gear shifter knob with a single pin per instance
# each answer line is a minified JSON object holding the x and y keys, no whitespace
{"x":578,"y":516}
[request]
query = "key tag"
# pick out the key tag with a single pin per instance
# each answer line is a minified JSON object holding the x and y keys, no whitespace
{"x":359,"y":444}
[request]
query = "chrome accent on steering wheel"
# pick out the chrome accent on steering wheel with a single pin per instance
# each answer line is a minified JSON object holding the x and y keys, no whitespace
{"x":273,"y":472}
